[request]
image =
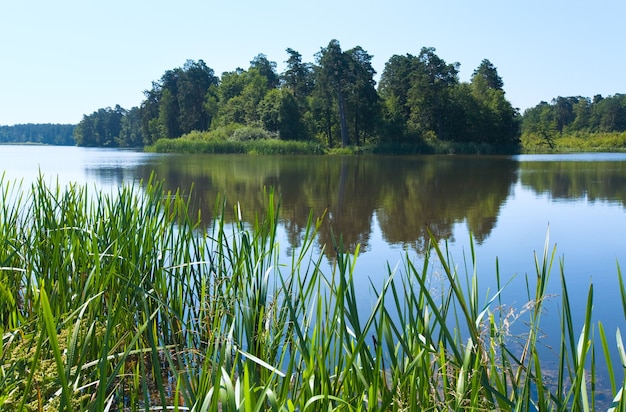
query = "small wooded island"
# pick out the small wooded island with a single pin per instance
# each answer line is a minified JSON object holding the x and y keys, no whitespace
{"x":335,"y":105}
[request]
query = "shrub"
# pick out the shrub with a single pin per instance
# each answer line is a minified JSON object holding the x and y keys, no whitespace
{"x":251,"y":133}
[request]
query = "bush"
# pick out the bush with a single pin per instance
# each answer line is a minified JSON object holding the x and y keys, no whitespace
{"x":195,"y":135}
{"x":283,"y":147}
{"x":263,"y":146}
{"x":197,"y":146}
{"x":221,"y":133}
{"x":251,"y":133}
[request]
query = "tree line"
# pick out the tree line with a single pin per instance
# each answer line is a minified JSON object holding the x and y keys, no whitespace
{"x":110,"y":127}
{"x":334,"y":100}
{"x":577,"y":114}
{"x":45,"y":133}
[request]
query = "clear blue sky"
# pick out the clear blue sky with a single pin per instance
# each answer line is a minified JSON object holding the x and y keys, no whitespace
{"x":62,"y":59}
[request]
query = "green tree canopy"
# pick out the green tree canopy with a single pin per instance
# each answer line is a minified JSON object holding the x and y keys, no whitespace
{"x":432,"y":81}
{"x":266,"y":69}
{"x":332,"y":77}
{"x":46,"y":133}
{"x":101,"y":128}
{"x":345,"y":95}
{"x":298,"y":76}
{"x":486,"y":76}
{"x":419,"y":101}
{"x":176,"y":104}
{"x":576,"y":114}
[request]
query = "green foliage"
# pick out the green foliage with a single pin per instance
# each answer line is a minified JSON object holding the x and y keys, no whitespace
{"x":334,"y":100}
{"x":250,"y":133}
{"x":432,"y":81}
{"x":53,"y":134}
{"x":345,"y":98}
{"x":219,"y":133}
{"x":571,"y":115}
{"x":298,"y":76}
{"x":249,"y":146}
{"x":126,"y":306}
{"x":486,"y":76}
{"x":197,"y":146}
{"x":130,"y":133}
{"x":575,"y":142}
{"x":110,"y":128}
{"x":279,"y":112}
{"x":271,"y":147}
{"x":241,"y":93}
{"x":180,"y":102}
{"x":419,"y":100}
{"x":425,"y":101}
{"x":266,"y":69}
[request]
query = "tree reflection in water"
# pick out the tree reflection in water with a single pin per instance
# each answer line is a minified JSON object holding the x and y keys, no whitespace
{"x":404,"y":196}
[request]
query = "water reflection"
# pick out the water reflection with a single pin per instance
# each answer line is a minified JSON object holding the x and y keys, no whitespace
{"x":572,"y":180}
{"x":402,"y":195}
{"x":386,"y":203}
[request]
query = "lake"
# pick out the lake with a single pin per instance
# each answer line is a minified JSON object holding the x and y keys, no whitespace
{"x":385,"y":204}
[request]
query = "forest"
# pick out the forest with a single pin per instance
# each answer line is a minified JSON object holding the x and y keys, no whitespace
{"x":597,"y":124}
{"x":577,"y":114}
{"x":54,"y":134}
{"x":334,"y":101}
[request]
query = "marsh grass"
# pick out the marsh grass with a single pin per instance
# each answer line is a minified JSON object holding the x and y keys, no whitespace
{"x":121,"y":301}
{"x":575,"y":142}
{"x":229,"y":146}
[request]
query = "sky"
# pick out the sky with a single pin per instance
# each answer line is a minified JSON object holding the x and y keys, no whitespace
{"x":60,"y":60}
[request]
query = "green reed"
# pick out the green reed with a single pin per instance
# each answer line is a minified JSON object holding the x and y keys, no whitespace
{"x":197,"y":144}
{"x":121,"y":301}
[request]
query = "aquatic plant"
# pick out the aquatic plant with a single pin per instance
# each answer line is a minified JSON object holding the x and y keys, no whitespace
{"x":243,"y":145}
{"x":121,"y":301}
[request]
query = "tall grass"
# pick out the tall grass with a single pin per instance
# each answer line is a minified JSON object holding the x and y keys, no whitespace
{"x":259,"y":146}
{"x":121,"y":302}
{"x":575,"y":142}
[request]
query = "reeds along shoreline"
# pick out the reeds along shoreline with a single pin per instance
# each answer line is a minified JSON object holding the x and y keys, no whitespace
{"x":120,"y":302}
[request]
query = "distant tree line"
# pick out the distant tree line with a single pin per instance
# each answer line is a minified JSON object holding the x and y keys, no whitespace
{"x":53,"y":134}
{"x":334,"y":100}
{"x":109,"y":127}
{"x":577,"y":114}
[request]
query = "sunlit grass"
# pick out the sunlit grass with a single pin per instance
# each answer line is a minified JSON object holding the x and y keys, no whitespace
{"x":217,"y":146}
{"x":122,"y":302}
{"x":574,"y":142}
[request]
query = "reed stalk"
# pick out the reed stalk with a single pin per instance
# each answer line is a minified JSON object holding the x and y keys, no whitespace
{"x":121,"y":301}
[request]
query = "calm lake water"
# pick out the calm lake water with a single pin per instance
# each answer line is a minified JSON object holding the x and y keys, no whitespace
{"x":509,"y":204}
